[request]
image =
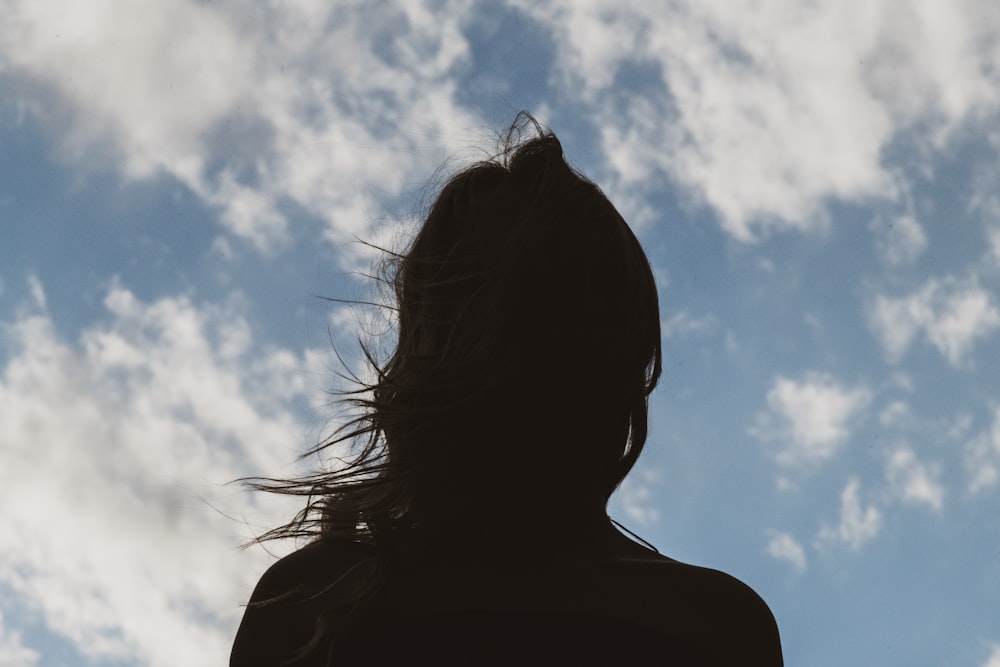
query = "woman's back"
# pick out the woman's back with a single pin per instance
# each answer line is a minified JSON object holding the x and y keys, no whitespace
{"x":621,"y":601}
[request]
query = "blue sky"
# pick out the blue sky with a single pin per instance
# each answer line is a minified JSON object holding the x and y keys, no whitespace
{"x":815,"y":184}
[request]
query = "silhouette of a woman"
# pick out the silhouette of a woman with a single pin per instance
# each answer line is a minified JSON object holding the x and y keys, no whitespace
{"x":470,"y":527}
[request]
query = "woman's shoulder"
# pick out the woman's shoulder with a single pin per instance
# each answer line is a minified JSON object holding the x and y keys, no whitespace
{"x":701,"y":605}
{"x":660,"y":582}
{"x":717,"y":609}
{"x":281,"y":615}
{"x":310,"y":568}
{"x":709,"y":607}
{"x":690,"y":581}
{"x":310,"y":565}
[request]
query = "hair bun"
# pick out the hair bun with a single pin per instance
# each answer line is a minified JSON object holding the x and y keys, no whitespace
{"x":536,"y":156}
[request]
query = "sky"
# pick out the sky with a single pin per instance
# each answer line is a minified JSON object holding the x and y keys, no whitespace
{"x":816,"y":185}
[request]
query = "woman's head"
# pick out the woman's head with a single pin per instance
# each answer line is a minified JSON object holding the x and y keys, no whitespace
{"x":528,"y":344}
{"x":528,"y":330}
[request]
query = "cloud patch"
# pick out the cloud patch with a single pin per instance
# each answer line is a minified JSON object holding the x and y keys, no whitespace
{"x":739,"y":111}
{"x":994,"y":659}
{"x":684,"y":323}
{"x":913,"y":482}
{"x":810,"y":419}
{"x":952,"y":315}
{"x":982,"y":457}
{"x":116,"y":445}
{"x":784,"y":547}
{"x":899,"y":241}
{"x":12,"y":652}
{"x":303,"y":103}
{"x":637,"y":498}
{"x":857,"y":525}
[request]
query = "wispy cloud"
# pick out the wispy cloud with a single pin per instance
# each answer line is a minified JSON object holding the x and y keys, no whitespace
{"x":984,"y":202}
{"x":110,"y":443}
{"x":784,"y":547}
{"x":809,"y":418}
{"x":994,"y":659}
{"x":684,"y":323}
{"x":895,"y":414}
{"x":857,"y":525}
{"x":913,"y":482}
{"x":982,"y":457}
{"x":308,"y":103}
{"x":12,"y":652}
{"x":899,"y":241}
{"x":739,"y":110}
{"x":36,"y":291}
{"x":993,"y":237}
{"x":312,"y":102}
{"x":951,"y":314}
{"x":637,"y":496}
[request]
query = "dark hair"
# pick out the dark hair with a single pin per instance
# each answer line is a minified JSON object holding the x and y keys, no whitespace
{"x":528,"y":344}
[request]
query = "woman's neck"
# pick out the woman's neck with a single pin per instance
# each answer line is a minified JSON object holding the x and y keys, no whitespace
{"x":526,"y":540}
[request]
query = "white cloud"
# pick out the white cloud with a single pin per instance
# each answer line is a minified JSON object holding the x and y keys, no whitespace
{"x":982,"y":457}
{"x":913,"y":482}
{"x":36,"y":291}
{"x":767,"y":109}
{"x":811,"y":418}
{"x":301,"y":102}
{"x":900,"y":241}
{"x":857,"y":524}
{"x":732,"y":344}
{"x":993,"y":237}
{"x":312,"y":103}
{"x":994,"y":659}
{"x":110,"y":443}
{"x":783,"y":546}
{"x":897,"y":413}
{"x":156,"y":76}
{"x":637,"y":498}
{"x":12,"y":652}
{"x":952,"y":314}
{"x":901,"y":380}
{"x":959,"y":426}
{"x":684,"y":323}
{"x":984,"y":202}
